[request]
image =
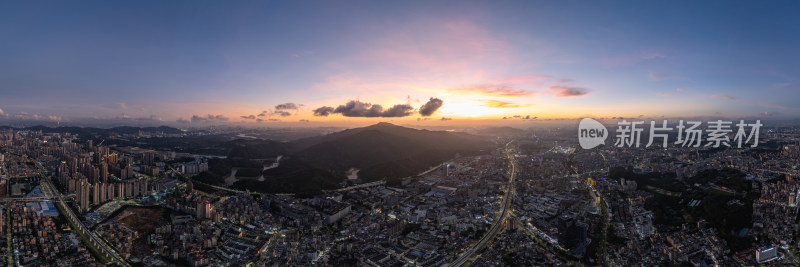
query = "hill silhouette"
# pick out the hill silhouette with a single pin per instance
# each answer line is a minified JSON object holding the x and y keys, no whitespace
{"x":386,"y":150}
{"x":383,"y":150}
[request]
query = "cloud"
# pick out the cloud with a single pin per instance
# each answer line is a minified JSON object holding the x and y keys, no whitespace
{"x":259,"y":120}
{"x":725,"y":96}
{"x":566,"y":91}
{"x":750,"y":102}
{"x":412,"y":55}
{"x":446,"y":119}
{"x":323,"y":111}
{"x":182,"y":120}
{"x":148,"y":118}
{"x":503,"y":104}
{"x":274,"y":120}
{"x":678,"y":90}
{"x":283,"y":110}
{"x":660,"y":76}
{"x":781,"y":85}
{"x":302,"y":54}
{"x":401,"y":110}
{"x":196,"y":118}
{"x":2,"y":113}
{"x":304,"y":120}
{"x":282,"y":113}
{"x":502,"y":88}
{"x":493,"y":90}
{"x":528,"y":78}
{"x":630,"y":59}
{"x":36,"y":117}
{"x":287,"y":106}
{"x":355,"y":108}
{"x":249,"y":117}
{"x":565,"y":80}
{"x":430,"y":107}
{"x":209,"y":118}
{"x":526,"y":117}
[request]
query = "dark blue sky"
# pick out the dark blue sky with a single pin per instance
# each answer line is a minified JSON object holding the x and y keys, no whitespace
{"x":170,"y":60}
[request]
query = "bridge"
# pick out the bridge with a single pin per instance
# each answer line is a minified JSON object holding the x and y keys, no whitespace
{"x":371,"y":184}
{"x":26,"y":199}
{"x":382,"y":182}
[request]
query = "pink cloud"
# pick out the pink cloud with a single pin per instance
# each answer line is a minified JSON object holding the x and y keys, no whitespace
{"x":492,"y":90}
{"x":435,"y":46}
{"x":425,"y":54}
{"x":503,"y":104}
{"x":528,"y":78}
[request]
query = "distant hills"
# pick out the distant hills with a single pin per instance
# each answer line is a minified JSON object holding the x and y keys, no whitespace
{"x":99,"y":131}
{"x":379,"y":151}
{"x":383,"y":150}
{"x":502,"y":131}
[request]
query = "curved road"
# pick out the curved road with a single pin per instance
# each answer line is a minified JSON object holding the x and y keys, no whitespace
{"x":501,"y":217}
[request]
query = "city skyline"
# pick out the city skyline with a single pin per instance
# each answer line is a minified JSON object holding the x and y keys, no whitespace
{"x":261,"y":63}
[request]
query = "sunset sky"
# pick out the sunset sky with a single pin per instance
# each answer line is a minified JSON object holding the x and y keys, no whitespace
{"x":260,"y":62}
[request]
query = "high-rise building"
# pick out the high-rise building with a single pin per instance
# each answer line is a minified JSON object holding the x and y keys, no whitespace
{"x":104,"y":172}
{"x":109,"y":191}
{"x":143,"y":189}
{"x":571,"y":232}
{"x":203,"y":209}
{"x":96,"y":194}
{"x":148,"y":158}
{"x":119,"y":190}
{"x":83,"y":195}
{"x":128,"y":189}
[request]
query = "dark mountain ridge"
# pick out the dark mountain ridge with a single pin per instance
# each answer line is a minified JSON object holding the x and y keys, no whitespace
{"x":380,"y":151}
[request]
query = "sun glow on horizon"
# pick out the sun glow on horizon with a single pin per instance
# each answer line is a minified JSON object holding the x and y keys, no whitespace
{"x":474,"y":109}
